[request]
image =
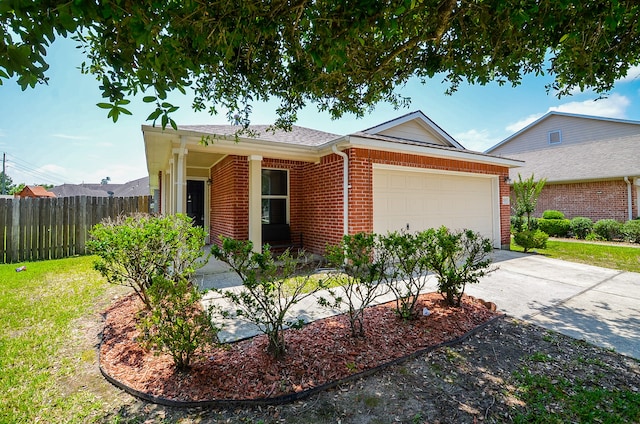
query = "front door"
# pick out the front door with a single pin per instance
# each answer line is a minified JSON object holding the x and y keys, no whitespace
{"x":195,"y":201}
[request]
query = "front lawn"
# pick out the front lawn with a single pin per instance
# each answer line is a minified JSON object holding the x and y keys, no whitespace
{"x":38,"y":357}
{"x":624,"y":258}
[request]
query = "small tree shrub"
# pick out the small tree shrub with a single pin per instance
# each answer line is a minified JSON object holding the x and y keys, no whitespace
{"x":555,"y":227}
{"x":631,"y":231}
{"x":270,"y":288}
{"x":608,"y":229}
{"x":177,"y":323}
{"x":458,"y":258}
{"x":581,"y":227}
{"x":552,"y":214}
{"x":133,"y":250}
{"x":405,"y":256}
{"x":529,"y":239}
{"x":359,"y":276}
{"x":525,"y":198}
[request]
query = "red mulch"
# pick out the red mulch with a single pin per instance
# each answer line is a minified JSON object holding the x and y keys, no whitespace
{"x":320,"y":352}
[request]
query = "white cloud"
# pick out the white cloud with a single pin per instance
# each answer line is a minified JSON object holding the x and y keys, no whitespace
{"x":632,"y":75}
{"x":614,"y":106}
{"x":478,"y":140}
{"x":70,"y":137}
{"x":517,"y":126}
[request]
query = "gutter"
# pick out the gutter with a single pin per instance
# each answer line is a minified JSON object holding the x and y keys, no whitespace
{"x":345,"y":188}
{"x":629,"y":205}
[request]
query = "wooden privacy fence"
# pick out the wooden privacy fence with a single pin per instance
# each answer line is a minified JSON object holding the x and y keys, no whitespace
{"x":34,"y":229}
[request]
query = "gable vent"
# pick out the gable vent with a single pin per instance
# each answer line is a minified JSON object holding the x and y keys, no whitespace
{"x":555,"y":137}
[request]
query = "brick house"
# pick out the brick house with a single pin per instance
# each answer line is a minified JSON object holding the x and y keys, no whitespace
{"x":34,"y":191}
{"x":406,"y":173}
{"x":590,"y":163}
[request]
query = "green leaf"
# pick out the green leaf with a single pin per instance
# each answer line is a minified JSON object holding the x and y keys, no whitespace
{"x":149,"y":99}
{"x":105,"y":105}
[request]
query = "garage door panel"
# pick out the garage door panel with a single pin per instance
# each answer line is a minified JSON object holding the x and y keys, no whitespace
{"x":428,"y":200}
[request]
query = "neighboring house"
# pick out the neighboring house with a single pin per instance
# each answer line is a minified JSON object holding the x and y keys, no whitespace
{"x":592,"y":164}
{"x":139,"y":187}
{"x":34,"y":191}
{"x":404,"y":174}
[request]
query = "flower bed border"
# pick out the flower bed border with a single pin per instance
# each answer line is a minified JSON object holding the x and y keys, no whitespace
{"x":292,"y":397}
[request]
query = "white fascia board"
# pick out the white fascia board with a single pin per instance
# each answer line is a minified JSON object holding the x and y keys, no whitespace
{"x":429,"y":151}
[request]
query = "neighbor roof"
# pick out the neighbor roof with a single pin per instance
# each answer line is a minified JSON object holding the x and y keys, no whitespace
{"x":39,"y":191}
{"x":594,"y":160}
{"x":139,"y":187}
{"x":554,"y":113}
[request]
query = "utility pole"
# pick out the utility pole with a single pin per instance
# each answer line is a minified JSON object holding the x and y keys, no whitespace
{"x":4,"y":175}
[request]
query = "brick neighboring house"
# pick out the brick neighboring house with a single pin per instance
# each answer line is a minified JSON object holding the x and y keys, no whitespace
{"x":34,"y":191}
{"x":591,"y":164}
{"x":406,"y":173}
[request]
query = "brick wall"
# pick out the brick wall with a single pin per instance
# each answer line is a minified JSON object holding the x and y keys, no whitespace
{"x":596,"y":200}
{"x":361,"y":180}
{"x":321,"y":211}
{"x":229,"y":212}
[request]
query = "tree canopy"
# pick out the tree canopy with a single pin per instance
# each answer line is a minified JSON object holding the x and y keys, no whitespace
{"x":343,"y":56}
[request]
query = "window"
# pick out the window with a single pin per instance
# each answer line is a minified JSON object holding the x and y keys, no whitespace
{"x":275,"y":196}
{"x":555,"y":137}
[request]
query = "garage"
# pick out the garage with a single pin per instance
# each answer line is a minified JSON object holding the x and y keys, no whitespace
{"x":415,"y":199}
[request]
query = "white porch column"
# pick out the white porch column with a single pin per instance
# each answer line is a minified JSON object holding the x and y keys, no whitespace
{"x":255,"y":202}
{"x":171,"y":187}
{"x":180,"y":179}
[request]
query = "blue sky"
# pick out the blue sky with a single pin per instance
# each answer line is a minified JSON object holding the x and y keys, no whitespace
{"x":55,"y":133}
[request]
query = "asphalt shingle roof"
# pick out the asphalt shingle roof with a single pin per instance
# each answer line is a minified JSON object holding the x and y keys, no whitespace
{"x":298,"y":135}
{"x":614,"y":158}
{"x":139,"y":187}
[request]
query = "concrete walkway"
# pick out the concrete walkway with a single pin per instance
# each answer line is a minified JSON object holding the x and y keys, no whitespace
{"x":599,"y":305}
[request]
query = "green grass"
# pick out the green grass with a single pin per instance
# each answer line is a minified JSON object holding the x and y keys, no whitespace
{"x":559,"y":401}
{"x":624,"y":258}
{"x":37,"y":310}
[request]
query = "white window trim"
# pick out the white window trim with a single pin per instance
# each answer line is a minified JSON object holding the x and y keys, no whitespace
{"x":280,"y":196}
{"x":559,"y":132}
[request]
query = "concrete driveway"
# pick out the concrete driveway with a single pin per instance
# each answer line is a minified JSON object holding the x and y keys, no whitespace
{"x":599,"y":305}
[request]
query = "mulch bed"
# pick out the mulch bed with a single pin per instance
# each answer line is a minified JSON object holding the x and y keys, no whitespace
{"x":320,"y":353}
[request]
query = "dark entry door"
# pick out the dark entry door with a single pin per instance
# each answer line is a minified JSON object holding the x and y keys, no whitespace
{"x":195,"y":201}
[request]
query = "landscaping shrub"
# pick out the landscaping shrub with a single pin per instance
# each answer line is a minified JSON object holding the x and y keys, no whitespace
{"x":593,"y":237}
{"x":176,"y":322}
{"x":525,"y":198}
{"x":631,"y":231}
{"x":608,"y":229}
{"x":529,"y":239}
{"x":458,"y":258}
{"x":134,"y":250}
{"x":555,"y":227}
{"x":405,"y":256}
{"x":358,"y":274}
{"x":552,"y":214}
{"x":581,"y":227}
{"x":270,"y":288}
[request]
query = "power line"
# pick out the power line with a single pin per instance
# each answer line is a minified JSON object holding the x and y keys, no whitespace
{"x":31,"y":170}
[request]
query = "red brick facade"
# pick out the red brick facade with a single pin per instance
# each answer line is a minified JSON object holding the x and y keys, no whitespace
{"x":596,"y":200}
{"x":229,"y":214}
{"x":316,"y":193}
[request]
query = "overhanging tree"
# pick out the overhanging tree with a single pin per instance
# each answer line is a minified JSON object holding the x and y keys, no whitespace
{"x":343,"y":56}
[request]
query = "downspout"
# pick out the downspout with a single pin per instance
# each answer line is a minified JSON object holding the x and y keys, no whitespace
{"x":630,"y":206}
{"x":345,"y":188}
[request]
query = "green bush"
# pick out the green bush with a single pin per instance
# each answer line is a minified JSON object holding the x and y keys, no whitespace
{"x":134,"y":250}
{"x":581,"y":227}
{"x":631,"y":231}
{"x":271,"y":286}
{"x":458,"y":258}
{"x":176,"y":322}
{"x":593,"y":237}
{"x":531,"y":239}
{"x":608,"y":229}
{"x":555,"y":227}
{"x":406,"y":258}
{"x":358,"y":274}
{"x":551,"y":214}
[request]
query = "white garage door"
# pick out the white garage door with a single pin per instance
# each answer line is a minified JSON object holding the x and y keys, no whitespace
{"x":417,"y":200}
